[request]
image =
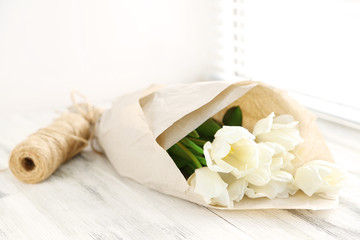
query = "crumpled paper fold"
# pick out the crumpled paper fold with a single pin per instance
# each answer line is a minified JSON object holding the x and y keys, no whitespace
{"x":140,"y":126}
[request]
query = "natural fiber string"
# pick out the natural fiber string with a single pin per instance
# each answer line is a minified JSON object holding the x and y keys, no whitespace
{"x":36,"y":158}
{"x":90,"y":113}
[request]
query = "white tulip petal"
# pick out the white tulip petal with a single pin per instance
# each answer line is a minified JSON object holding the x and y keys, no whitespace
{"x":265,"y":154}
{"x":228,"y":178}
{"x":277,"y":163}
{"x":275,"y":189}
{"x":284,"y":119}
{"x":282,"y":130}
{"x":236,"y":187}
{"x":220,"y":169}
{"x":224,"y":166}
{"x":281,"y":125}
{"x":223,"y":200}
{"x":282,"y":176}
{"x":243,"y":157}
{"x":232,"y":134}
{"x":289,"y":168}
{"x":209,"y":162}
{"x":210,"y":186}
{"x":238,"y":173}
{"x":308,"y":180}
{"x":216,"y":165}
{"x":287,"y":137}
{"x":288,"y":157}
{"x":250,"y":192}
{"x":237,"y":190}
{"x":324,"y":164}
{"x":262,"y":174}
{"x":259,"y":177}
{"x":207,"y":148}
{"x":263,"y":125}
{"x":219,"y":149}
{"x":271,"y":190}
{"x":292,"y":188}
{"x":277,"y":148}
{"x":323,"y":170}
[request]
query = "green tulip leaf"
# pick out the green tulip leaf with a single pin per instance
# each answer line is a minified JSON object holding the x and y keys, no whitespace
{"x":233,"y":117}
{"x":208,"y":128}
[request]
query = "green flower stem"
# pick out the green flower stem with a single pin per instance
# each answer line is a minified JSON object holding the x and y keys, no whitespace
{"x":202,"y":160}
{"x":190,"y":154}
{"x":198,"y":141}
{"x":194,"y":134}
{"x":187,"y":142}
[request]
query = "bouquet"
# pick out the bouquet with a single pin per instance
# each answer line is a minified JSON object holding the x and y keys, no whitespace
{"x":240,"y":145}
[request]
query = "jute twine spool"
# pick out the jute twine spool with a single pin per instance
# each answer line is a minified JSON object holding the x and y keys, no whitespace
{"x":38,"y":156}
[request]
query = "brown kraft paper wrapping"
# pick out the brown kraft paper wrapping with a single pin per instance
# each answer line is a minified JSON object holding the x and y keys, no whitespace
{"x":140,"y":126}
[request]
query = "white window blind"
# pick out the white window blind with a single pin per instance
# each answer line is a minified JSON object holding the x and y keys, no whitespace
{"x":232,"y":48}
{"x":310,"y":48}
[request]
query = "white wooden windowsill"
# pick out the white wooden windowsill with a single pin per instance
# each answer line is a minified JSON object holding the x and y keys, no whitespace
{"x":87,"y":199}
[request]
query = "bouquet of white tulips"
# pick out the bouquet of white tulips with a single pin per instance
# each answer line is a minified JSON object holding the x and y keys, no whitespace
{"x":223,"y":145}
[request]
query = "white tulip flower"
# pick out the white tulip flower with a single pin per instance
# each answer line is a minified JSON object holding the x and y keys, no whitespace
{"x":319,"y":176}
{"x":232,"y":151}
{"x":280,"y":186}
{"x":282,"y":130}
{"x":210,"y":186}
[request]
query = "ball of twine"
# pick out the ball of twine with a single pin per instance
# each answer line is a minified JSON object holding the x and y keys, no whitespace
{"x":38,"y":156}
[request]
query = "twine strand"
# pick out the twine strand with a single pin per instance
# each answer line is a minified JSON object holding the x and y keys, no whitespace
{"x":91,"y":114}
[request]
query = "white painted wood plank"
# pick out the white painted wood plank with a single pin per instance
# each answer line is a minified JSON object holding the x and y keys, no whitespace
{"x":84,"y":201}
{"x":20,"y":219}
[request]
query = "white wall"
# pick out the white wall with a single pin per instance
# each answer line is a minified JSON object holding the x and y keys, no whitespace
{"x":309,"y":46}
{"x":102,"y":48}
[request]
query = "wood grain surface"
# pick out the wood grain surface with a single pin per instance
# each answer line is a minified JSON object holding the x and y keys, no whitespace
{"x":87,"y":199}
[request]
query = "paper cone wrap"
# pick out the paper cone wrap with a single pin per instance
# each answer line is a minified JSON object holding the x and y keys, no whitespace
{"x":136,"y":132}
